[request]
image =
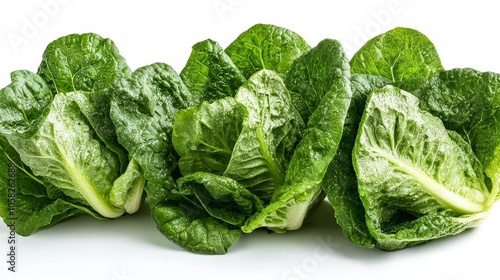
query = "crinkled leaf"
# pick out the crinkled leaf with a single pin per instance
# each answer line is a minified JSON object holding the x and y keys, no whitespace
{"x":410,"y":168}
{"x":209,"y":73}
{"x":403,"y":55}
{"x":265,"y":46}
{"x":204,"y":136}
{"x":310,"y":77}
{"x":193,"y":229}
{"x":82,"y":62}
{"x":203,"y":212}
{"x":24,"y":104}
{"x":158,"y":192}
{"x":428,"y":227}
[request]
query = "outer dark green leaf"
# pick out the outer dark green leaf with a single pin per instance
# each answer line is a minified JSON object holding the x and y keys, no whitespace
{"x":410,"y":169}
{"x":191,"y":228}
{"x":158,"y":192}
{"x":302,"y":185}
{"x":209,"y":73}
{"x":340,"y":183}
{"x":403,"y":55}
{"x":204,"y":136}
{"x":24,"y":104}
{"x":204,"y":212}
{"x":82,"y":62}
{"x":468,"y":101}
{"x":143,"y":111}
{"x":266,"y":46}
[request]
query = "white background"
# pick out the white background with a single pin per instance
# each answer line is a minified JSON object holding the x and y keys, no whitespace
{"x":465,"y":34}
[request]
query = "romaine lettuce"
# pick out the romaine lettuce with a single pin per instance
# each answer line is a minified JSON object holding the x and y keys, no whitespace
{"x":58,"y":134}
{"x":417,"y":180}
{"x":237,"y":146}
{"x":322,"y":77}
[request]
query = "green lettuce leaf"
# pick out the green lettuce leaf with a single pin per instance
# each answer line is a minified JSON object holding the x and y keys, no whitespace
{"x":417,"y":181}
{"x":209,"y":73}
{"x":222,"y":197}
{"x":302,"y":185}
{"x":82,"y":62}
{"x":192,"y":228}
{"x":468,"y":101}
{"x":265,"y":46}
{"x":204,"y":136}
{"x":143,"y":110}
{"x":403,"y":55}
{"x":24,"y":104}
